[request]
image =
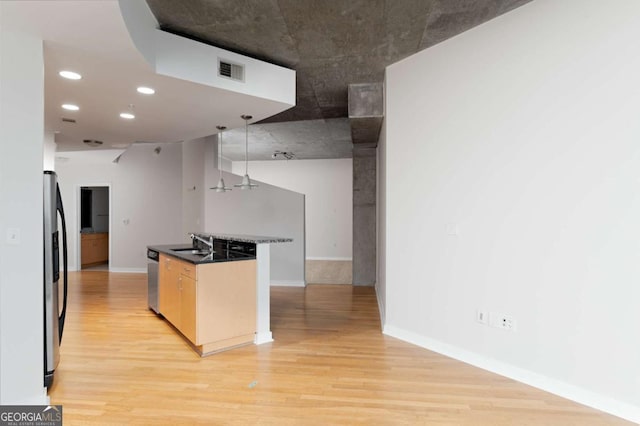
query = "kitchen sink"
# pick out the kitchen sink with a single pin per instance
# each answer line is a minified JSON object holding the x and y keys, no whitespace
{"x":198,"y":252}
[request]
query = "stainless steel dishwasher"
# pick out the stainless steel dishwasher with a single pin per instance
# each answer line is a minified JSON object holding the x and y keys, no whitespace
{"x":152,"y":279}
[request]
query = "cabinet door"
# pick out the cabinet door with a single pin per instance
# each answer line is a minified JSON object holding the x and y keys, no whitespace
{"x":169,"y":290}
{"x":188,"y":308}
{"x":226,"y":300}
{"x":88,"y":249}
{"x":173,"y":296}
{"x":85,"y":249}
{"x":163,"y":283}
{"x":102,"y":248}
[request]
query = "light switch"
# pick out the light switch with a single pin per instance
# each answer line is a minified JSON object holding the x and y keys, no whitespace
{"x":13,"y":236}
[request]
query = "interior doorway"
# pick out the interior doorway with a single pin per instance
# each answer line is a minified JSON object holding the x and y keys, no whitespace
{"x":94,"y":227}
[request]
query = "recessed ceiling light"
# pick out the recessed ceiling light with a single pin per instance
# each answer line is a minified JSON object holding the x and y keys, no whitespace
{"x":145,"y":90}
{"x":70,"y":107}
{"x":127,"y":115}
{"x":70,"y":75}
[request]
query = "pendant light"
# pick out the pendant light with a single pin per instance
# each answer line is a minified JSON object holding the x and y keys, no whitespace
{"x":246,"y":181}
{"x":220,"y":187}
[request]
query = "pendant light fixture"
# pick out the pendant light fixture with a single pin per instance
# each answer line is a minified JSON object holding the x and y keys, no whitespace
{"x":220,"y":187}
{"x":246,"y":181}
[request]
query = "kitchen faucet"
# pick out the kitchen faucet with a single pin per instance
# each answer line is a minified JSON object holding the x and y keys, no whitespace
{"x":208,"y":243}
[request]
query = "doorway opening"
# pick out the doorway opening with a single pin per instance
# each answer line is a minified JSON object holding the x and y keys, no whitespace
{"x":94,"y":228}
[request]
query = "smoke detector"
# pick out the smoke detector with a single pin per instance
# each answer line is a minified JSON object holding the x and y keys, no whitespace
{"x":283,"y":154}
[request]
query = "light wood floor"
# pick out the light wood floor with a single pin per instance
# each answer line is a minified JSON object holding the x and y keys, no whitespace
{"x":330,"y":364}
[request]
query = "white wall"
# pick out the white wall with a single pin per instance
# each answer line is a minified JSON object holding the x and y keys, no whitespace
{"x":328,"y":189}
{"x":381,"y":231}
{"x":227,"y":165}
{"x":146,"y":201}
{"x":21,"y":180}
{"x":513,"y":185}
{"x":193,"y":188}
{"x":266,"y":210}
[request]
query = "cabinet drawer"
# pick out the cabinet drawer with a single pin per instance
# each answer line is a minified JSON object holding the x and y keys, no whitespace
{"x":188,"y":269}
{"x":181,"y":266}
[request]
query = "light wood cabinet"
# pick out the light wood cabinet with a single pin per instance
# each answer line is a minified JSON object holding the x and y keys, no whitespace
{"x":213,"y":305}
{"x":169,"y":289}
{"x":188,"y":308}
{"x":94,"y":248}
{"x":226,"y":302}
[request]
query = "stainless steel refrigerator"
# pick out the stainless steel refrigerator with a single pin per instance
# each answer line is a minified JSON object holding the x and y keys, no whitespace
{"x":54,"y":309}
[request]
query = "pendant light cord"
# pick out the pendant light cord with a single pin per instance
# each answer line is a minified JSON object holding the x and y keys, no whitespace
{"x":246,"y":182}
{"x":220,"y":155}
{"x":221,"y":129}
{"x":246,"y":146}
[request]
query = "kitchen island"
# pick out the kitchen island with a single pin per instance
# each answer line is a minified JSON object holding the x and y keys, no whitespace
{"x":215,"y":292}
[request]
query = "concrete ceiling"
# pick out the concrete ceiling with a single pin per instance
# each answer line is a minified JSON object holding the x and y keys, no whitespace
{"x":330,"y":44}
{"x":308,"y":139}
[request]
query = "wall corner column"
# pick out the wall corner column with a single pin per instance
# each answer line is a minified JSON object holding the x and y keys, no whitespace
{"x":366,"y":112}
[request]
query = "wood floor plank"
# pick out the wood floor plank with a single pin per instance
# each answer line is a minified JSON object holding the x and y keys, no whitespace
{"x":330,"y":364}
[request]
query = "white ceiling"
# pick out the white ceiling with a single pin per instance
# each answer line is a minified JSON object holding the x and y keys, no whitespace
{"x":90,"y":37}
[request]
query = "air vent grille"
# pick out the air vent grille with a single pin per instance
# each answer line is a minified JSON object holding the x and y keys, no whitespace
{"x":68,"y":120}
{"x":230,"y":70}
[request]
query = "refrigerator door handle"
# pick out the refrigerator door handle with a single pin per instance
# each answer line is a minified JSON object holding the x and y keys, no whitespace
{"x":60,"y":210}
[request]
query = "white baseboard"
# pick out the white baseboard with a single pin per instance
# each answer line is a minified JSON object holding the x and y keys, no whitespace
{"x":114,"y":269}
{"x":261,"y":338}
{"x":341,"y":259}
{"x":129,"y":270}
{"x":556,"y":387}
{"x":288,"y":283}
{"x":380,"y":306}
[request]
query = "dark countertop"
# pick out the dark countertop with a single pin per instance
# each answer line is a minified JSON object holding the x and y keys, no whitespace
{"x":220,"y":255}
{"x":256,"y":239}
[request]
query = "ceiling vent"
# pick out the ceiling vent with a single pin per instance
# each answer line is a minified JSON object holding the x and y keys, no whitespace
{"x":92,"y":142}
{"x":230,"y":70}
{"x":68,"y":120}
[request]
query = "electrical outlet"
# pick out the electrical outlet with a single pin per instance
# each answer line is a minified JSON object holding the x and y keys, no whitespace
{"x":505,"y":322}
{"x":482,"y":316}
